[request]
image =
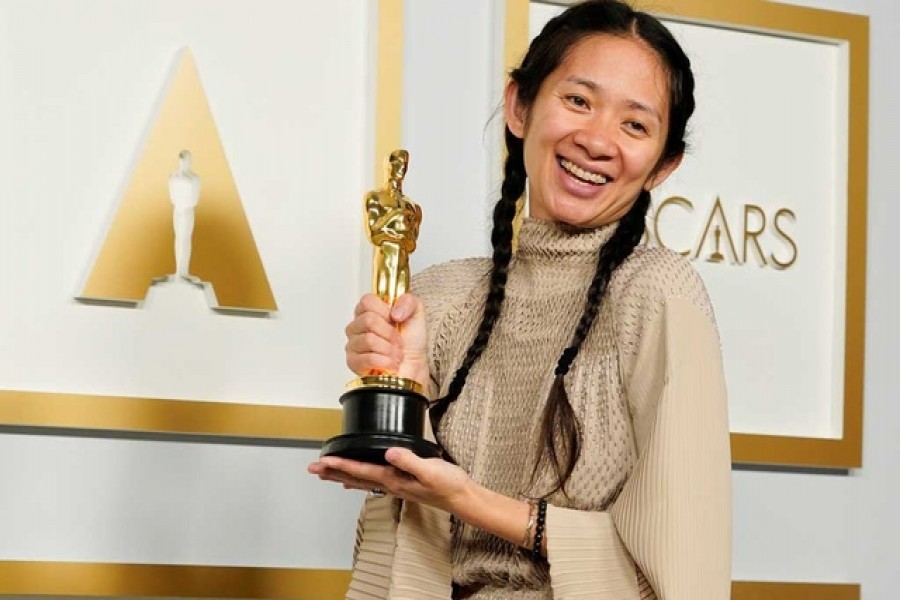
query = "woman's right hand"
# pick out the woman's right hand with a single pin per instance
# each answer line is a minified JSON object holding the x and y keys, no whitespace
{"x":389,"y":339}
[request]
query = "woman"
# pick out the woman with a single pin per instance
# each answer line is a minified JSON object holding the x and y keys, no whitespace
{"x":578,"y":386}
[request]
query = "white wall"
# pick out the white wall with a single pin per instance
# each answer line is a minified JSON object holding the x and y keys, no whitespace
{"x":452,"y":78}
{"x":102,"y":500}
{"x":67,"y":498}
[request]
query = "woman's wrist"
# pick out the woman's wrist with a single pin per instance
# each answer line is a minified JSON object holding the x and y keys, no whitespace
{"x":418,"y":373}
{"x":501,"y":515}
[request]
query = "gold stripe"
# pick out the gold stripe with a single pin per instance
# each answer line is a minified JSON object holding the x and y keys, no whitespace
{"x":118,"y":413}
{"x":844,"y":453}
{"x":755,"y":590}
{"x":389,"y":104}
{"x":516,"y":34}
{"x":857,"y":33}
{"x":263,"y":583}
{"x":809,"y":23}
{"x":515,"y":45}
{"x":105,"y":580}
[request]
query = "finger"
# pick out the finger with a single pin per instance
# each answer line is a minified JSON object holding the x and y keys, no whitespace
{"x":406,"y":461}
{"x":350,"y":483}
{"x":376,"y":324}
{"x":387,"y":478}
{"x":405,"y":307}
{"x":374,"y":304}
{"x":362,"y":364}
{"x":328,"y":474}
{"x":348,"y":486}
{"x":322,"y":471}
{"x":378,"y":475}
{"x":363,"y":343}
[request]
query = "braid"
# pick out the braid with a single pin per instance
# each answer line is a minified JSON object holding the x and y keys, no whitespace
{"x":613,"y":254}
{"x":558,"y":414}
{"x":501,"y":238}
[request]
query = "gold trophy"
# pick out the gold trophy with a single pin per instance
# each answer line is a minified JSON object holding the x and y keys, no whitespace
{"x":382,"y":410}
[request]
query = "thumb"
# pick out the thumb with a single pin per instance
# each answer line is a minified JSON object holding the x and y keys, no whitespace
{"x":405,"y":460}
{"x":405,"y":307}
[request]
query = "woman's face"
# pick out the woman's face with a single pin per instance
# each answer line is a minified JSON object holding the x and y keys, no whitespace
{"x":594,"y":135}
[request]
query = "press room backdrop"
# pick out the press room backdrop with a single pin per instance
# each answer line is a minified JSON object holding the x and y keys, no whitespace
{"x":79,"y":87}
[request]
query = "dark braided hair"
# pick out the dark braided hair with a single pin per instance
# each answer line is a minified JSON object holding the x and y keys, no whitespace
{"x":501,"y":238}
{"x":560,"y":430}
{"x":558,"y":414}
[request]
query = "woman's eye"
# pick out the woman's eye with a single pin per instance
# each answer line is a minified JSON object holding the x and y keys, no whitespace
{"x":636,"y":126}
{"x":577,"y":101}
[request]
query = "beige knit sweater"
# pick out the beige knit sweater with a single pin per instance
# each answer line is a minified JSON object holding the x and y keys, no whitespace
{"x":648,"y":510}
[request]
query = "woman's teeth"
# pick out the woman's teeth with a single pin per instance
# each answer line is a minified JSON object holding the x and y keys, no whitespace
{"x":581,"y":173}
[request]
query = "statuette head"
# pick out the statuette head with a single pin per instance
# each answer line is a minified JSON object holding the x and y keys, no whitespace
{"x":397,"y":164}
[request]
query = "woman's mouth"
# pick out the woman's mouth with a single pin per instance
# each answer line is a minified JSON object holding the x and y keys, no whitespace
{"x":580,"y":174}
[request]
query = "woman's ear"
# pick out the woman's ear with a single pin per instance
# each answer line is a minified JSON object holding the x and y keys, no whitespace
{"x":662,"y":173}
{"x":513,"y":111}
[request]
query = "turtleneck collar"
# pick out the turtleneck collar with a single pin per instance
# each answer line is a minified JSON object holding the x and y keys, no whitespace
{"x":548,"y":240}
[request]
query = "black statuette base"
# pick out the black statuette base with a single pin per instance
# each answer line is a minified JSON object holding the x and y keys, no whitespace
{"x":378,"y":418}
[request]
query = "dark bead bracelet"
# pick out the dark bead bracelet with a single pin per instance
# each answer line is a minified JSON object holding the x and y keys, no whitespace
{"x":539,"y":530}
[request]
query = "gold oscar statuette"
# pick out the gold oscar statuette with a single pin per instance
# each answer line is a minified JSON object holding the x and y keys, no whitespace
{"x":382,"y":410}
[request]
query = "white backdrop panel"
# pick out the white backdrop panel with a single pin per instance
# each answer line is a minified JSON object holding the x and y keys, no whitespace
{"x":452,"y":90}
{"x":104,"y":500}
{"x":78,"y":85}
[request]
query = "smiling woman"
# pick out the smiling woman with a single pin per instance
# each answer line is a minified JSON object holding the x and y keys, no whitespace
{"x":595,"y":132}
{"x":577,"y":386}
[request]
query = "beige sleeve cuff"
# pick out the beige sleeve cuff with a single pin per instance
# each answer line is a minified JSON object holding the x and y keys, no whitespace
{"x":587,"y":557}
{"x":376,"y":540}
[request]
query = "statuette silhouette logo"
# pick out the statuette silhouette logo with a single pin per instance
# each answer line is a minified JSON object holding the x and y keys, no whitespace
{"x":169,"y":227}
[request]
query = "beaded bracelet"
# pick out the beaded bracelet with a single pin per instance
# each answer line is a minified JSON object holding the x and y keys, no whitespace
{"x":539,"y":530}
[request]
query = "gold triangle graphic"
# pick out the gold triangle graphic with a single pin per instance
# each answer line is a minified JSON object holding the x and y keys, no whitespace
{"x":139,"y":245}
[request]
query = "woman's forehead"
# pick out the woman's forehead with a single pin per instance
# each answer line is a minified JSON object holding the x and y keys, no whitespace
{"x":616,"y":64}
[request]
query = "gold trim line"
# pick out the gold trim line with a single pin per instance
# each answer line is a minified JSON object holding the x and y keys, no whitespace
{"x":104,"y":580}
{"x":389,"y":93}
{"x":386,"y":381}
{"x":119,"y":413}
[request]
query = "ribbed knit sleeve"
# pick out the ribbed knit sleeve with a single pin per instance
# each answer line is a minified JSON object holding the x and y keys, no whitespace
{"x":587,"y":557}
{"x":672,"y":521}
{"x":373,"y":554}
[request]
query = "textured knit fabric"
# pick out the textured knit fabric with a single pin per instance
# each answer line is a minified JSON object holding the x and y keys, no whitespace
{"x":647,"y":510}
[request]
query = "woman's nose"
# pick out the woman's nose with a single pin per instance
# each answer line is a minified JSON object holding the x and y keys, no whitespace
{"x":596,"y":137}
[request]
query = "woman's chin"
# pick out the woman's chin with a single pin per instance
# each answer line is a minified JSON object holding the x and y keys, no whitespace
{"x":578,"y":214}
{"x":577,"y":220}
